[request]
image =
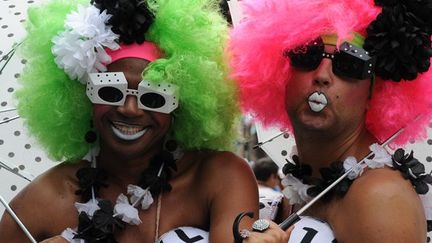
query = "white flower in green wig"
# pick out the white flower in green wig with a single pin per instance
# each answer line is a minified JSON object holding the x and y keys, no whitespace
{"x":80,"y":48}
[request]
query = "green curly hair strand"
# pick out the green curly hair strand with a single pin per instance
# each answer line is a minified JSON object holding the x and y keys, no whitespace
{"x":192,"y":35}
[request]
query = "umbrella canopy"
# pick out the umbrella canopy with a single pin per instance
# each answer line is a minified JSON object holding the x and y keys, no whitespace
{"x":21,"y":155}
{"x":276,"y":142}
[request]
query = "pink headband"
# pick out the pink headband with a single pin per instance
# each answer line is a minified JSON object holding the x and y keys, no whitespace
{"x":147,"y":51}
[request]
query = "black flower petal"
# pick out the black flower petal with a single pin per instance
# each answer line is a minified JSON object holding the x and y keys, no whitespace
{"x":296,"y":168}
{"x":223,"y":5}
{"x":89,"y":178}
{"x":401,"y":42}
{"x":130,"y":18}
{"x":413,"y":170}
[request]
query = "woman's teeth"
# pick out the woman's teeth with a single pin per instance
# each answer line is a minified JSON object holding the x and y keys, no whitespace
{"x":127,"y":132}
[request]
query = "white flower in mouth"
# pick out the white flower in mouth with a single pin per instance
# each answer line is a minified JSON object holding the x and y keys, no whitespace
{"x":128,"y":132}
{"x":317,"y":101}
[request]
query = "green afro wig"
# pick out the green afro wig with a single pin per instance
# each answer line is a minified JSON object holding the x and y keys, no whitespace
{"x":192,"y":35}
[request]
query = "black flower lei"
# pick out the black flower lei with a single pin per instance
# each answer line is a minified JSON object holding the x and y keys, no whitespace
{"x":412,"y":170}
{"x":303,"y":172}
{"x":409,"y":167}
{"x":100,"y":227}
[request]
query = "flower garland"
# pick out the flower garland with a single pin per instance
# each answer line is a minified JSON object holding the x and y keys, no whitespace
{"x":99,"y":219}
{"x":301,"y":187}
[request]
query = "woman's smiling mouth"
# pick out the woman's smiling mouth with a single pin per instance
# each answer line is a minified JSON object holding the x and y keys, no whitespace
{"x":128,"y":132}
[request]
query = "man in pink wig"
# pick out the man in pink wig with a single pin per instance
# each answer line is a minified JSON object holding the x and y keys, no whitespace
{"x":342,"y":76}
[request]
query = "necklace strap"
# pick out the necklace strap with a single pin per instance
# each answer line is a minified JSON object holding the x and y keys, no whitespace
{"x":158,"y":210}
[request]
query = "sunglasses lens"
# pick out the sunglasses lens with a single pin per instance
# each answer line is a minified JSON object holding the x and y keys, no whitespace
{"x":152,"y":100}
{"x":307,"y":57}
{"x":110,"y":94}
{"x":352,"y":62}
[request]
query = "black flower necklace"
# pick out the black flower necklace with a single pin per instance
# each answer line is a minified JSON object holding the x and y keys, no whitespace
{"x":99,"y":219}
{"x":302,"y":187}
{"x":409,"y":167}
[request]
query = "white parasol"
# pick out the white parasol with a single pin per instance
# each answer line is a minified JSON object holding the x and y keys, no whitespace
{"x":21,"y":159}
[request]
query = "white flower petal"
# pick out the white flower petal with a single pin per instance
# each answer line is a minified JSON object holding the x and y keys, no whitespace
{"x":147,"y":200}
{"x":381,"y":157}
{"x":68,"y":234}
{"x":76,"y":48}
{"x":295,"y":191}
{"x":351,"y":163}
{"x":125,"y":211}
{"x":89,"y":207}
{"x":137,"y":193}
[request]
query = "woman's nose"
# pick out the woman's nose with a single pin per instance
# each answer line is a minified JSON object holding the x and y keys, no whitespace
{"x":130,"y":107}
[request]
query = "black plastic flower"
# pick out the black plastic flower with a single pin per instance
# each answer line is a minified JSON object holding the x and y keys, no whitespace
{"x":223,"y":5}
{"x":89,"y":178}
{"x":330,"y":175}
{"x":401,"y":42}
{"x":104,"y":221}
{"x":413,"y":170}
{"x":130,"y":18}
{"x":151,"y":178}
{"x":422,"y":9}
{"x":101,"y":227}
{"x":297,"y":169}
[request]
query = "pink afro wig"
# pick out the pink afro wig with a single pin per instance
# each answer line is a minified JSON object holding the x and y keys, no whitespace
{"x":273,"y":26}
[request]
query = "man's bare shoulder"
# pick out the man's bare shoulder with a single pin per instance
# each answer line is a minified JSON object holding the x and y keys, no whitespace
{"x":384,"y":206}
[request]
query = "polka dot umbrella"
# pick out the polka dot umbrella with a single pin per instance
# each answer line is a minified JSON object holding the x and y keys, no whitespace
{"x":21,"y":159}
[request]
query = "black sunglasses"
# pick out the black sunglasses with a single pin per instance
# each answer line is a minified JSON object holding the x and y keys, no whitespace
{"x":348,"y":61}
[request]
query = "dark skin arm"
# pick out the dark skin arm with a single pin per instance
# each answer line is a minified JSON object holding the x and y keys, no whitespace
{"x":41,"y":207}
{"x":232,"y":189}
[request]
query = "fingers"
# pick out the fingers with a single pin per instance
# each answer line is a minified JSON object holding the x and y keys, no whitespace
{"x":55,"y":239}
{"x":273,"y":234}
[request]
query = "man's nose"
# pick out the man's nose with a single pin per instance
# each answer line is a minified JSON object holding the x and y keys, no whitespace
{"x":323,"y":74}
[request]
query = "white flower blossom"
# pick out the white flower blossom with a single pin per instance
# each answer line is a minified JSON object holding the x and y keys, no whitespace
{"x":381,"y":157}
{"x":125,"y":211}
{"x":68,"y":234}
{"x":89,"y":207}
{"x":137,"y":193}
{"x":357,"y":168}
{"x":80,"y":48}
{"x":295,"y":190}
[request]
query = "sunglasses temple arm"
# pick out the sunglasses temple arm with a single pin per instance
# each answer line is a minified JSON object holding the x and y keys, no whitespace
{"x":17,"y":220}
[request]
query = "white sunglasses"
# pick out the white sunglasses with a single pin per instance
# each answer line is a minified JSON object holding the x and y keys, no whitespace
{"x":111,"y":89}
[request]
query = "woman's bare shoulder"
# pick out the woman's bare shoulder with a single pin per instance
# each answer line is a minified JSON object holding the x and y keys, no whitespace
{"x":47,"y":199}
